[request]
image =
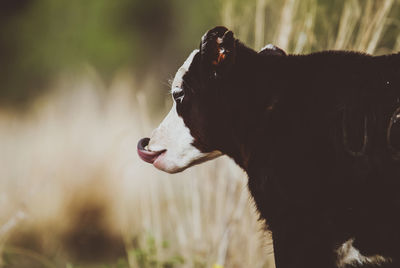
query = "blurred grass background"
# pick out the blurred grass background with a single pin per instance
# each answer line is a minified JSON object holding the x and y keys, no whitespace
{"x":82,"y":81}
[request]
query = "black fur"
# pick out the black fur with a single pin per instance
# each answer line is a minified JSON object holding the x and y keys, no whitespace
{"x":314,"y":134}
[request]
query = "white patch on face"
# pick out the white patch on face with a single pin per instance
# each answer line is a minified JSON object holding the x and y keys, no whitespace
{"x":177,"y":83}
{"x":173,"y":136}
{"x":349,"y":255}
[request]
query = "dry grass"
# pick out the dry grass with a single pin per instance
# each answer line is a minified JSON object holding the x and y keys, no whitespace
{"x":70,"y":178}
{"x":305,"y":26}
{"x":73,"y":190}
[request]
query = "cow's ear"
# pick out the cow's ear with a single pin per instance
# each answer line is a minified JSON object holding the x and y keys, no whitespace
{"x":270,"y":49}
{"x":218,"y":49}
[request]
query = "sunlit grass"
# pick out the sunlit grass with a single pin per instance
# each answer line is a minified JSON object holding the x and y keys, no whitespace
{"x":310,"y":25}
{"x":70,"y":172}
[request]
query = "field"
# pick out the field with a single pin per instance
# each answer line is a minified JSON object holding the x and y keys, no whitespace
{"x":73,"y":192}
{"x":77,"y":192}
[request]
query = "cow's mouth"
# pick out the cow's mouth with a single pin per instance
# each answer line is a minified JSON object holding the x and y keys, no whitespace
{"x":146,"y":155}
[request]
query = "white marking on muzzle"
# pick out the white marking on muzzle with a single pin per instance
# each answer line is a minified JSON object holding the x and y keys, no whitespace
{"x":174,"y":136}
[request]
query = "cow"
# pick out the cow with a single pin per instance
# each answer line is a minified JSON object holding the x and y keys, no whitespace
{"x":318,"y":136}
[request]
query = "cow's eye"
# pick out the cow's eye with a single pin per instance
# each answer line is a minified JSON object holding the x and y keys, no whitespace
{"x":178,"y":95}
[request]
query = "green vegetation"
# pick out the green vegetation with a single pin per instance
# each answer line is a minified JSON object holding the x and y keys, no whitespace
{"x":147,"y":257}
{"x":39,"y":39}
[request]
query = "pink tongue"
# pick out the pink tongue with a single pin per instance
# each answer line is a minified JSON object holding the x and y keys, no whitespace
{"x":145,"y":155}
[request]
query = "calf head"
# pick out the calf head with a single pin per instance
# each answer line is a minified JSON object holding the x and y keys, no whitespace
{"x":207,"y":103}
{"x":189,"y":133}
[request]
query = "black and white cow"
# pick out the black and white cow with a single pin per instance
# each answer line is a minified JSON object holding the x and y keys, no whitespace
{"x":317,"y":134}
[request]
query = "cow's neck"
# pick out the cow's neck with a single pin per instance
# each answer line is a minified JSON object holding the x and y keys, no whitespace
{"x":254,"y":94}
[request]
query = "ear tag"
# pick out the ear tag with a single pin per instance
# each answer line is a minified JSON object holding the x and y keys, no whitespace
{"x":221,"y":55}
{"x":221,"y":52}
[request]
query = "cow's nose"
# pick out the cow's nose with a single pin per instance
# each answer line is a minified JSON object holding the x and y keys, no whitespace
{"x":145,"y":154}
